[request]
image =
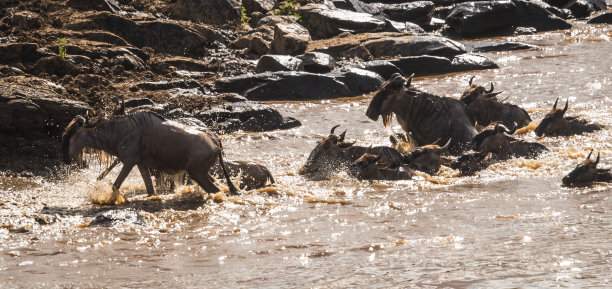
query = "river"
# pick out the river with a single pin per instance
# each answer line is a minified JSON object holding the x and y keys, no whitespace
{"x":510,"y":226}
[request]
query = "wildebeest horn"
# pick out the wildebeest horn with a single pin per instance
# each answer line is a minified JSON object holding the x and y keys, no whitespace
{"x":342,"y":135}
{"x":409,"y":80}
{"x":555,"y":105}
{"x":494,"y":94}
{"x":565,"y":108}
{"x":596,"y":160}
{"x":589,"y":156}
{"x":470,"y":82}
{"x":333,"y":129}
{"x":437,"y":141}
{"x":491,"y":89}
{"x":446,"y":146}
{"x":377,"y":158}
{"x":81,"y":120}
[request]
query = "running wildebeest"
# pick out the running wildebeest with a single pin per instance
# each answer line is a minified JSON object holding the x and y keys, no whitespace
{"x":427,"y":158}
{"x":333,"y":154}
{"x":556,"y":124}
{"x":587,"y":173}
{"x":366,"y":168}
{"x":484,"y":108}
{"x":147,"y":140}
{"x":427,"y":117}
{"x":497,"y":139}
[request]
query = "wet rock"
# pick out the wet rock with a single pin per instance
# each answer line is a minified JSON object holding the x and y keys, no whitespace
{"x":487,"y":46}
{"x":255,"y":42}
{"x":602,"y":18}
{"x":317,"y":62}
{"x":525,"y":31}
{"x":468,"y":61}
{"x":580,"y":9}
{"x":165,"y":85}
{"x":117,"y":217}
{"x":404,"y":27}
{"x":472,"y":19}
{"x":413,"y":45}
{"x":208,"y":11}
{"x":258,"y":5}
{"x":137,"y":102}
{"x":383,"y":67}
{"x":167,"y":37}
{"x":21,"y":53}
{"x":290,"y":39}
{"x":324,"y":22}
{"x":430,"y":65}
{"x":358,"y":81}
{"x":278,"y":63}
{"x":415,"y":12}
{"x":54,"y":65}
{"x":128,"y":62}
{"x":535,"y":14}
{"x":246,"y":115}
{"x":34,"y":111}
{"x":6,"y":70}
{"x":100,"y":5}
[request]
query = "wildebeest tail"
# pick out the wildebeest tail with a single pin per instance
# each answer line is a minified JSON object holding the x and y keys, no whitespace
{"x":231,"y":186}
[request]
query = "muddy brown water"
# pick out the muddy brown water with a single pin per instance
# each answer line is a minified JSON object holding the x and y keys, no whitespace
{"x":510,"y":226}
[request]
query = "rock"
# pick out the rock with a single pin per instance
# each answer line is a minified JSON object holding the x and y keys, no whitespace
{"x":317,"y":62}
{"x":54,"y":65}
{"x":525,"y":31}
{"x":272,"y":20}
{"x":323,"y":22}
{"x":165,"y":85}
{"x":412,"y":46}
{"x":166,"y":37}
{"x":468,"y":61}
{"x":403,"y":27}
{"x":246,"y":115}
{"x":294,"y":85}
{"x":128,"y":62}
{"x":208,"y":11}
{"x":471,"y":19}
{"x":231,"y":97}
{"x":20,"y":53}
{"x":534,"y":14}
{"x":34,"y":111}
{"x":278,"y":63}
{"x":100,"y":5}
{"x":487,"y":46}
{"x":415,"y":12}
{"x":117,"y":217}
{"x":255,"y":42}
{"x":290,"y":39}
{"x":383,"y":67}
{"x":430,"y":65}
{"x":602,"y":18}
{"x":136,"y":102}
{"x":6,"y":71}
{"x":580,"y":9}
{"x":258,"y":5}
{"x":26,"y":20}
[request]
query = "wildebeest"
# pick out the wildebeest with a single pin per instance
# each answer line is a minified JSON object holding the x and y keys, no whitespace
{"x":472,"y":162}
{"x":427,"y":117}
{"x":497,"y":139}
{"x":556,"y":124}
{"x":146,"y":140}
{"x":333,"y":154}
{"x":426,"y":158}
{"x":367,"y":168}
{"x":587,"y":173}
{"x":484,"y":108}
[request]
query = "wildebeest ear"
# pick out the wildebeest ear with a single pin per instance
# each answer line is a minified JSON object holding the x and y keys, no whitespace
{"x":493,"y":94}
{"x":589,"y":155}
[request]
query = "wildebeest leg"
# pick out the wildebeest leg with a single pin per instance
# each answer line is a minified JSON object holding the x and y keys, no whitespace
{"x":204,"y":180}
{"x":110,"y":168}
{"x":146,"y":177}
{"x":125,"y":171}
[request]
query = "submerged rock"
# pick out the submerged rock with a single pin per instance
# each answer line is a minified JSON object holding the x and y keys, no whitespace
{"x":117,"y":217}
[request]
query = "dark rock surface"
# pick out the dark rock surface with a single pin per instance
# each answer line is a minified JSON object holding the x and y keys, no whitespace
{"x":278,"y":63}
{"x":317,"y":62}
{"x":605,"y":18}
{"x":472,"y":19}
{"x":488,"y":46}
{"x":324,"y":22}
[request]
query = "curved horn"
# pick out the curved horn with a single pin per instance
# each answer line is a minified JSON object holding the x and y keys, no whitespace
{"x":470,"y":82}
{"x":446,"y":146}
{"x":342,"y":135}
{"x":409,"y":80}
{"x":490,"y":89}
{"x":555,"y":105}
{"x":80,"y":119}
{"x":377,"y":158}
{"x":333,"y":129}
{"x":589,"y":156}
{"x":596,"y":160}
{"x":565,"y":108}
{"x":437,"y":141}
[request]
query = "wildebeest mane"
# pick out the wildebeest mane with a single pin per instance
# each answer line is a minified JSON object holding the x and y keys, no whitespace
{"x":71,"y":129}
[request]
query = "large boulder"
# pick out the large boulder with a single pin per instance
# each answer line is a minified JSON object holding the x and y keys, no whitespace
{"x":278,"y":63}
{"x":472,"y":19}
{"x":245,"y":115}
{"x":325,"y":22}
{"x":317,"y":62}
{"x":290,"y":39}
{"x":534,"y":13}
{"x":258,"y":5}
{"x":488,"y":46}
{"x":416,"y":12}
{"x":431,"y":65}
{"x":383,"y":67}
{"x":208,"y":11}
{"x":21,"y":53}
{"x":602,"y":18}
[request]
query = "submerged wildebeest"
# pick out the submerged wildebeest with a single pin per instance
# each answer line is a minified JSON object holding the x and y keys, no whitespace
{"x":472,"y":162}
{"x":427,"y":158}
{"x":587,"y":173}
{"x":366,"y":167}
{"x":427,"y":117}
{"x":147,"y":140}
{"x":497,"y":139}
{"x":485,"y":109}
{"x":333,"y":154}
{"x":556,"y":124}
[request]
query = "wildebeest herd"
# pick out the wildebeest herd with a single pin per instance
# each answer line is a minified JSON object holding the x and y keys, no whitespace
{"x":466,"y":134}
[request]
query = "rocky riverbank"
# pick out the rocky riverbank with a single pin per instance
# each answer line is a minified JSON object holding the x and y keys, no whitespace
{"x":214,"y":60}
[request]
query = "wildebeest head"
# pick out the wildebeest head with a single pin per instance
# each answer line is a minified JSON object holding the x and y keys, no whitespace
{"x":553,"y":121}
{"x":381,"y":103}
{"x":470,"y":163}
{"x":427,"y":158}
{"x":583,"y":173}
{"x":476,"y":92}
{"x":365,"y":167}
{"x":74,"y":138}
{"x":328,"y":154}
{"x":493,"y":138}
